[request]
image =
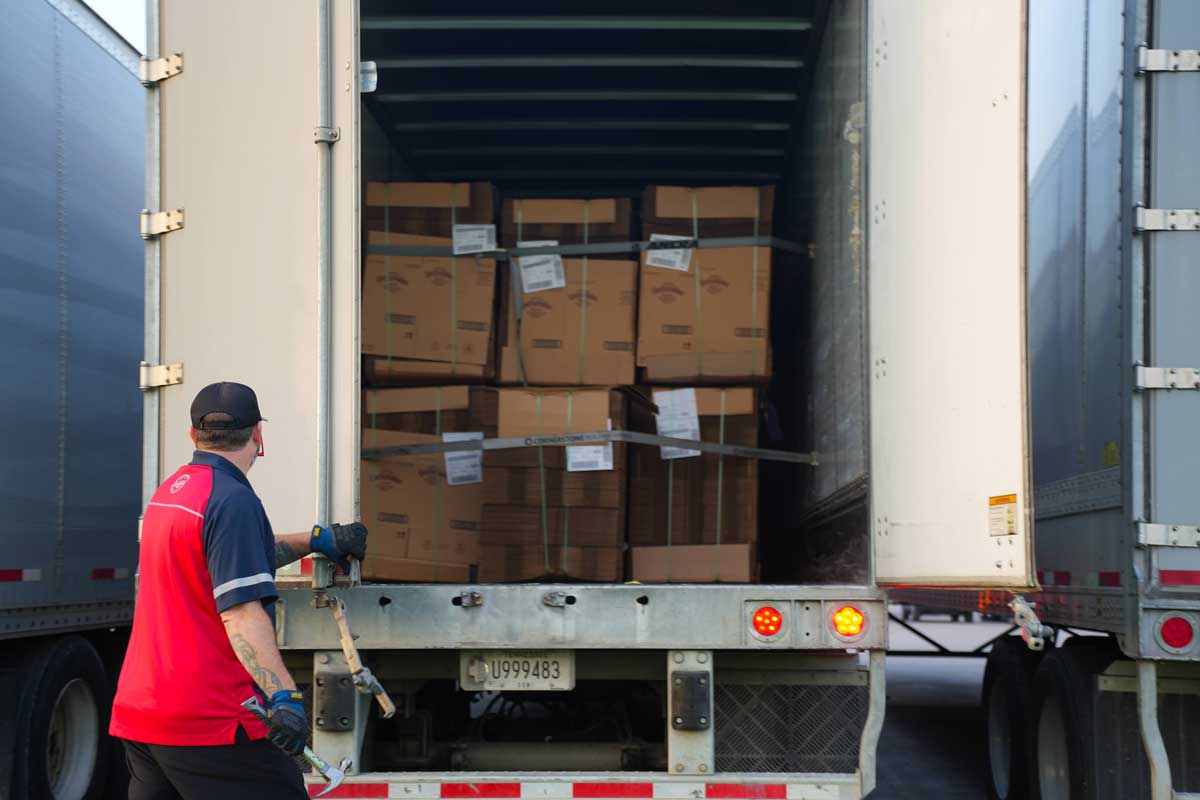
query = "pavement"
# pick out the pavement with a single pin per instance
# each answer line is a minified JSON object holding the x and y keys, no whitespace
{"x":933,"y":742}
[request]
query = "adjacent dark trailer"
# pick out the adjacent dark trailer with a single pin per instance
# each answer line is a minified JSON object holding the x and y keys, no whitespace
{"x":71,"y":170}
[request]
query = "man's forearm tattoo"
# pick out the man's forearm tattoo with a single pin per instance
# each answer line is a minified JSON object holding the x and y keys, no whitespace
{"x":265,"y":678}
{"x":284,"y":554}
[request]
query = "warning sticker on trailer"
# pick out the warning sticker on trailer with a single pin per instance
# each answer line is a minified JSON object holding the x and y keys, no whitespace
{"x":1002,"y":515}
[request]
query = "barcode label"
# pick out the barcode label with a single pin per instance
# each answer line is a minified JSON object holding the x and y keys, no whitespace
{"x":590,"y":457}
{"x":678,"y":258}
{"x":464,"y":466}
{"x":677,"y":418}
{"x":474,"y":239}
{"x":539,"y":273}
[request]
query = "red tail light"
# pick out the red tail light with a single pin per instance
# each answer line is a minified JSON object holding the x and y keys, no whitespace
{"x":768,"y":621}
{"x":1177,"y":632}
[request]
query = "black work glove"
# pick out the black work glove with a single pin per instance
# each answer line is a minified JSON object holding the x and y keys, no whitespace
{"x":287,"y":722}
{"x":339,"y":543}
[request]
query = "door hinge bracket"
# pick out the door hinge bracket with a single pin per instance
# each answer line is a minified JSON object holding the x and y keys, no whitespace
{"x":1166,"y":219}
{"x":155,"y":70}
{"x":154,"y":376}
{"x":1169,"y":378}
{"x":156,"y":223}
{"x":1158,"y":534}
{"x":326,"y":135}
{"x":1149,"y":60}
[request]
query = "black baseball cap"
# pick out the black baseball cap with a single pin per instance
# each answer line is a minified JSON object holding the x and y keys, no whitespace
{"x":235,"y":399}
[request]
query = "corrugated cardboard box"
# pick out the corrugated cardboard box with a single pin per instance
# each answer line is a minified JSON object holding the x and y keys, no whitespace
{"x":720,"y":337}
{"x":715,"y":211}
{"x":599,"y":312}
{"x":727,"y":563}
{"x":431,"y":409}
{"x":700,"y":483}
{"x":709,"y":324}
{"x":427,"y":308}
{"x":524,"y":486}
{"x":502,"y":563}
{"x":429,"y":209}
{"x":533,"y":526}
{"x":412,"y":512}
{"x":529,"y":412}
{"x":566,"y":221}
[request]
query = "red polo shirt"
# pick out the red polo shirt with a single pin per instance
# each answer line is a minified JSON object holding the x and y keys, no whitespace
{"x":206,"y":546}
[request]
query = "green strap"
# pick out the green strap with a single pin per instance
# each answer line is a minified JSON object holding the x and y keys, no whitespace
{"x":696,"y":270}
{"x":670,"y":512}
{"x":720,"y":491}
{"x":437,"y":487}
{"x":754,"y":291}
{"x":583,"y":302}
{"x":514,"y":276}
{"x":542,"y":482}
{"x":453,"y":283}
{"x":565,"y":510}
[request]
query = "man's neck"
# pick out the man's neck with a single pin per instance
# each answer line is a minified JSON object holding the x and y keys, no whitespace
{"x":242,"y":459}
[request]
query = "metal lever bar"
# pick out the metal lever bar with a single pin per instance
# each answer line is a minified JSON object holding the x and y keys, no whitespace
{"x":364,"y":680}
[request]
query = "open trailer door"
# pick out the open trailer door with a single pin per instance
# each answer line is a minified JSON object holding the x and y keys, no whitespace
{"x":951,"y":503}
{"x":256,"y":281}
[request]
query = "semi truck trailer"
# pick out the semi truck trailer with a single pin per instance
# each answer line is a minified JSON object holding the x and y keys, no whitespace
{"x":988,"y":208}
{"x":71,"y":166}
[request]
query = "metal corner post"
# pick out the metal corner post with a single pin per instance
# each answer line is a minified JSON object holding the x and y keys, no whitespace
{"x":324,"y":236}
{"x":152,"y":343}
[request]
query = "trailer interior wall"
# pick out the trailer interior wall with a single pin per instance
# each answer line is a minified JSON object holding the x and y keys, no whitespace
{"x":813,"y":520}
{"x":820,"y":387}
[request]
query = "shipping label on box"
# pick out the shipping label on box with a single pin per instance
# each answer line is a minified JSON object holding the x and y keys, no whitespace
{"x":677,"y":418}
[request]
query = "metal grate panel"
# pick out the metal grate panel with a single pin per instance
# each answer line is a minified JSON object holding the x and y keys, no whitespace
{"x":776,"y":728}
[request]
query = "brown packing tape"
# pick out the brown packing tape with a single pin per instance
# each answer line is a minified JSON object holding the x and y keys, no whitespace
{"x":568,"y":212}
{"x":418,"y":195}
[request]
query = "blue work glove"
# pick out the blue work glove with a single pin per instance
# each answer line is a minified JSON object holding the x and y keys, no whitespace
{"x":287,"y":722}
{"x":340,"y":543}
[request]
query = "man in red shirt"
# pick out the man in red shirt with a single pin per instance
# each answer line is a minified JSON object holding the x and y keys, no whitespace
{"x":204,"y":624}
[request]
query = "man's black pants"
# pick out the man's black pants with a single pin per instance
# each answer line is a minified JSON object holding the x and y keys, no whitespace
{"x":253,"y":770}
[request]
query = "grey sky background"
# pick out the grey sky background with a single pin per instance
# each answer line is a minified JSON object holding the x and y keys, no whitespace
{"x":126,"y":17}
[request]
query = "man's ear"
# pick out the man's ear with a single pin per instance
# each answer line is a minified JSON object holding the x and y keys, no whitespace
{"x":192,"y":433}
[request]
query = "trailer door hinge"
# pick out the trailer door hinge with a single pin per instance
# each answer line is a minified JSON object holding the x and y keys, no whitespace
{"x":326,"y":135}
{"x":1166,"y":219}
{"x":156,"y":223}
{"x":1182,"y":378}
{"x":1167,"y":60}
{"x":154,"y":376}
{"x":1158,"y":534}
{"x":154,"y":70}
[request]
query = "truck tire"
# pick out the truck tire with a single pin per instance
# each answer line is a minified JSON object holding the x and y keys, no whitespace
{"x":1007,"y":706}
{"x":62,"y":724}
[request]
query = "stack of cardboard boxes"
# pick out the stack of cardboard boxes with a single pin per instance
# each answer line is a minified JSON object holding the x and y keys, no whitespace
{"x":573,"y":334}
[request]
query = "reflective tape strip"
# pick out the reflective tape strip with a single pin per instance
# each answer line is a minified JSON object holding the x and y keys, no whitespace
{"x":464,"y":791}
{"x":1179,"y":577}
{"x":110,"y":573}
{"x":568,"y":790}
{"x":180,"y":508}
{"x":20,"y":575}
{"x":306,"y":567}
{"x":238,"y":583}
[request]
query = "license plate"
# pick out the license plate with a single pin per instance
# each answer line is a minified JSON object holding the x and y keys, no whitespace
{"x":517,"y":670}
